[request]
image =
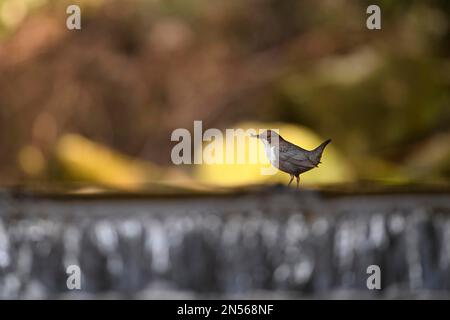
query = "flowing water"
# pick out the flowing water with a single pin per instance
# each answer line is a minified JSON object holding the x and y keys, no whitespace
{"x":277,"y":244}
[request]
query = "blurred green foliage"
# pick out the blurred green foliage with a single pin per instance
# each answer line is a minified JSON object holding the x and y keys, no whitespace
{"x":138,"y":69}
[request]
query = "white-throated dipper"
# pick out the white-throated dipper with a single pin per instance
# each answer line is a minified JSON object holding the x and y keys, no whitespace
{"x":288,"y":157}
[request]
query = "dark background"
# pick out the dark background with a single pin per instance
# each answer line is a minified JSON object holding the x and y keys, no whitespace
{"x":140,"y":69}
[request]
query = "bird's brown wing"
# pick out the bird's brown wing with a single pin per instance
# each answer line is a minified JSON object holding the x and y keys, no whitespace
{"x":295,"y":155}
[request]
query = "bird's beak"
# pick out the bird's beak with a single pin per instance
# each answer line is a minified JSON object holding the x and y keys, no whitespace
{"x":254,"y":135}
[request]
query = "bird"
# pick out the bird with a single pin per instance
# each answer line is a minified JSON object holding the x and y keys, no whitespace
{"x":288,"y":157}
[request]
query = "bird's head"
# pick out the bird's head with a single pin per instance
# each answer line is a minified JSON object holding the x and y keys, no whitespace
{"x":268,"y":135}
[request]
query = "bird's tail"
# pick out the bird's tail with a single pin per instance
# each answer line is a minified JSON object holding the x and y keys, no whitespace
{"x":316,"y":154}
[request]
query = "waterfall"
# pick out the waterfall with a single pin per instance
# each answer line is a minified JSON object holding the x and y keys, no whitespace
{"x":277,"y":244}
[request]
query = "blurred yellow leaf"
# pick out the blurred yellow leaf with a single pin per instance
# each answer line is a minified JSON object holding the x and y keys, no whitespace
{"x":31,"y":160}
{"x":86,"y":160}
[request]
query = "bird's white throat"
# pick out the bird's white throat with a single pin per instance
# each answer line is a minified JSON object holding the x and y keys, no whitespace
{"x":271,"y":152}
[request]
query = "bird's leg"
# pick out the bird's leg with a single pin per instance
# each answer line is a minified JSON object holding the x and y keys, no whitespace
{"x":292,"y":178}
{"x":298,"y":180}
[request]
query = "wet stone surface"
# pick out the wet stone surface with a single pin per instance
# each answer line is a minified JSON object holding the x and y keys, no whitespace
{"x":278,"y":245}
